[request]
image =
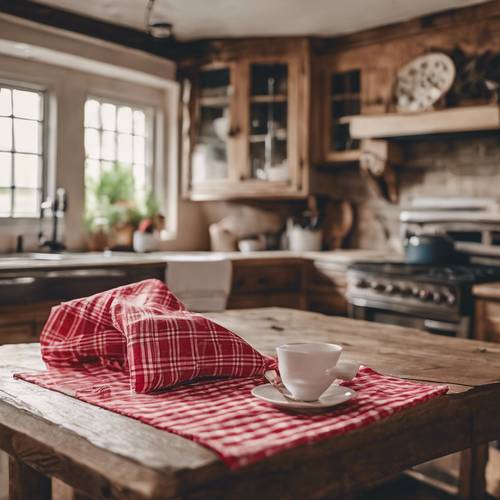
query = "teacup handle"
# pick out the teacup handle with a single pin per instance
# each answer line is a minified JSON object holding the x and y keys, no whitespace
{"x":345,"y":370}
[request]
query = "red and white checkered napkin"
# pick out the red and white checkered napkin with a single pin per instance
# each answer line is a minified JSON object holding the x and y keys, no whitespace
{"x":225,"y":417}
{"x":144,"y":330}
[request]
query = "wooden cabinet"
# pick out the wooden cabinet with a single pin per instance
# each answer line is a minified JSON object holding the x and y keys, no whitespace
{"x":267,"y":283}
{"x":22,"y":316}
{"x":325,"y":287}
{"x":246,"y":121}
{"x":23,"y":323}
{"x":342,"y":98}
{"x":487,"y":312}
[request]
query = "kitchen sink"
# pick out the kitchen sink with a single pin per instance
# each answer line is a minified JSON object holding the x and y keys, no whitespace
{"x":51,"y":257}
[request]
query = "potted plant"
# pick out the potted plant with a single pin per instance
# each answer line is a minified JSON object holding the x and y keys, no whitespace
{"x":112,"y":211}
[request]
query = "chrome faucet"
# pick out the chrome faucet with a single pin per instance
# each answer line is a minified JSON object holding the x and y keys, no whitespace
{"x":57,"y":207}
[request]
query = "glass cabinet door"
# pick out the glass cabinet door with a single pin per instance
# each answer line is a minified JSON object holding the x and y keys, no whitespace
{"x":344,"y":95}
{"x":211,"y":152}
{"x":268,"y":127}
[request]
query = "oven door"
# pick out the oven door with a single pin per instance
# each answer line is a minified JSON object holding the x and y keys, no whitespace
{"x":449,"y":328}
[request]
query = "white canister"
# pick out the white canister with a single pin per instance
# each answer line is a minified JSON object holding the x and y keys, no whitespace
{"x":146,"y":242}
{"x":304,"y":240}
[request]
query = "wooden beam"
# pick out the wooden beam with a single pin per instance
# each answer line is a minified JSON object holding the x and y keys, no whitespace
{"x":436,"y":21}
{"x":77,"y":23}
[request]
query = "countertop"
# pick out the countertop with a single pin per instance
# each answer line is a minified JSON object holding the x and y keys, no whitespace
{"x":13,"y":262}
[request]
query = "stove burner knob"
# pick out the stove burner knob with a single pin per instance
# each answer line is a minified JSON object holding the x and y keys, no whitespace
{"x":392,"y":289}
{"x":361,"y":283}
{"x":379,"y":287}
{"x":424,"y":295}
{"x":437,"y":297}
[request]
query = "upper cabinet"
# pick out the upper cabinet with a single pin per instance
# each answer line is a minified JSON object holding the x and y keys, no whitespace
{"x":342,"y":98}
{"x":246,"y":122}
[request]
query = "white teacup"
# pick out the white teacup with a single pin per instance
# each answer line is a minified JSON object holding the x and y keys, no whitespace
{"x":308,"y":369}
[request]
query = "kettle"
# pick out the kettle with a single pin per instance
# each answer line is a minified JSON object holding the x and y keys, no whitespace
{"x":429,"y":249}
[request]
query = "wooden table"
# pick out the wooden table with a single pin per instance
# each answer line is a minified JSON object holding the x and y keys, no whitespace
{"x":106,"y":455}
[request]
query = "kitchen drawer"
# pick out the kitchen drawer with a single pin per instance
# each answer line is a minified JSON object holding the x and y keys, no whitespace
{"x":333,"y":303}
{"x":16,"y":333}
{"x":276,"y":299}
{"x":251,"y":279}
{"x":322,"y":275}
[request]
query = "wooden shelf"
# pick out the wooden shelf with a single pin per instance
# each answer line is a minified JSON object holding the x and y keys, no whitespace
{"x":215,"y":101}
{"x":348,"y":156}
{"x":446,"y":121}
{"x":280,"y":135}
{"x":268,"y":98}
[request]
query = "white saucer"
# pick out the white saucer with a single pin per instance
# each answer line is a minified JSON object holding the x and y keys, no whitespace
{"x":333,"y":396}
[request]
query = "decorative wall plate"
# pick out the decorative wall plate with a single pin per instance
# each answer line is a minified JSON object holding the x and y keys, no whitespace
{"x":423,"y":81}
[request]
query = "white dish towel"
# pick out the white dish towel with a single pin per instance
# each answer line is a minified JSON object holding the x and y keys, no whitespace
{"x":202,"y":283}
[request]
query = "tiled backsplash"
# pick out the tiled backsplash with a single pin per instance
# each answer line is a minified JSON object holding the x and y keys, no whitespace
{"x":452,"y":167}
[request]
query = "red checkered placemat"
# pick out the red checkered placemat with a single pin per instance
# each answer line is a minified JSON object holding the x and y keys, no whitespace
{"x":223,"y":415}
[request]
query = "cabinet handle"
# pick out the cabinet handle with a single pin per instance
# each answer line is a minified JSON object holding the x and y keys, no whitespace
{"x":234,"y":131}
{"x":86,"y":273}
{"x":24,"y":280}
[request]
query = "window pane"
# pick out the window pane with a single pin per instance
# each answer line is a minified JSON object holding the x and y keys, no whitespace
{"x":5,"y":134}
{"x":92,"y":170}
{"x":5,"y":201}
{"x":139,"y":123}
{"x":26,"y":202}
{"x":139,"y":150}
{"x":5,"y":102}
{"x":92,"y":113}
{"x":108,"y":146}
{"x":5,"y":169}
{"x":27,"y":104}
{"x":125,"y":148}
{"x":107,"y":166}
{"x":27,"y":171}
{"x":92,"y":143}
{"x":140,"y":176}
{"x":125,"y":119}
{"x":108,"y":116}
{"x":27,"y":136}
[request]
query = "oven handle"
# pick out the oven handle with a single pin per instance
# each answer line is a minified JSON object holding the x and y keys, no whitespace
{"x":442,"y":326}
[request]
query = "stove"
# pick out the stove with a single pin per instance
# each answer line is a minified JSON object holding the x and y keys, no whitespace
{"x":434,"y":298}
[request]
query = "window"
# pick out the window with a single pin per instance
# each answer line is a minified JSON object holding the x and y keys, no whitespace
{"x":119,"y":134}
{"x":21,"y":151}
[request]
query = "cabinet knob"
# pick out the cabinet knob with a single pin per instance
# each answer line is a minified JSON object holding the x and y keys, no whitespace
{"x":234,"y":131}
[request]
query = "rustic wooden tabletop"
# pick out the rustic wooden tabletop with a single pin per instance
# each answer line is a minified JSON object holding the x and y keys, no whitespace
{"x":106,"y":455}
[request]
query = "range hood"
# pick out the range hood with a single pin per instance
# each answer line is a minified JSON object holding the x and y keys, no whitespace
{"x":446,"y":121}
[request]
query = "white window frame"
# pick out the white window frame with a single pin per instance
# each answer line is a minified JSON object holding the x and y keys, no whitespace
{"x":151,"y":136}
{"x":33,"y":87}
{"x":88,"y":68}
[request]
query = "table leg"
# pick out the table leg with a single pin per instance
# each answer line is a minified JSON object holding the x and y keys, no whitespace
{"x":26,"y":483}
{"x":472,"y":484}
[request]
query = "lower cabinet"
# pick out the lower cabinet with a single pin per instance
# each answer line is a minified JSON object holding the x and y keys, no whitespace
{"x":23,"y":323}
{"x":267,"y":283}
{"x":291,"y":282}
{"x":325,"y":287}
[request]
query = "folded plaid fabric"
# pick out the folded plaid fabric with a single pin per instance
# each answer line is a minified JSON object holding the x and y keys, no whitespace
{"x":145,"y":330}
{"x":81,"y":331}
{"x":167,"y":348}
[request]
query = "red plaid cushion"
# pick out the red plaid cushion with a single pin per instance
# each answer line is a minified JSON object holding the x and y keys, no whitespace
{"x":167,"y":348}
{"x":81,"y":331}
